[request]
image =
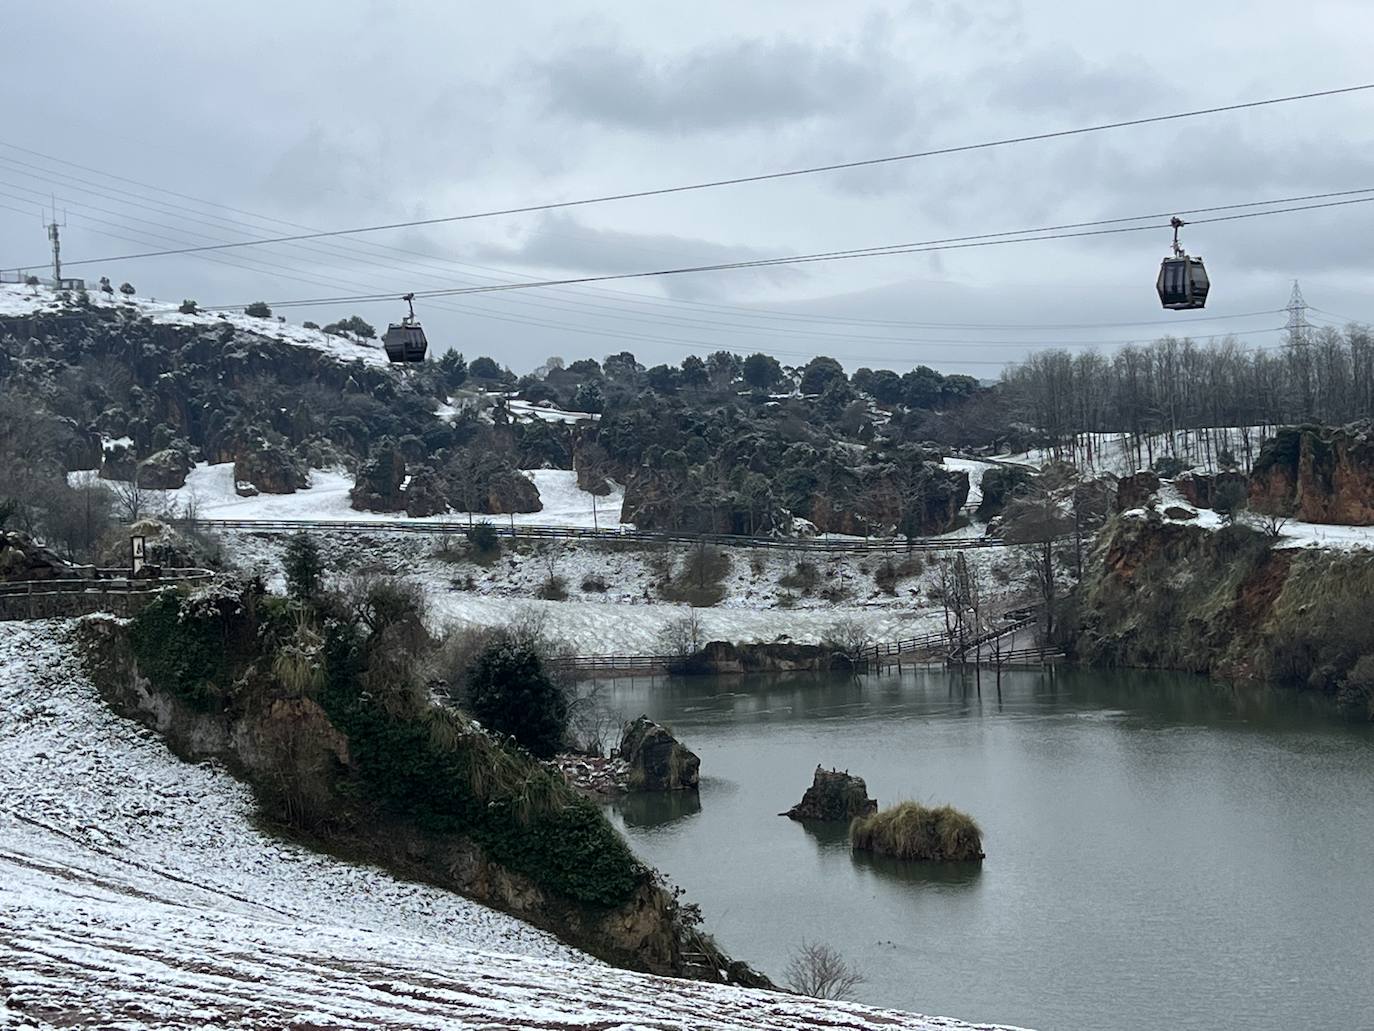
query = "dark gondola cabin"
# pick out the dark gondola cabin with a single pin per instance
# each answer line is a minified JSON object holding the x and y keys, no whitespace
{"x":1182,"y":282}
{"x":405,"y":340}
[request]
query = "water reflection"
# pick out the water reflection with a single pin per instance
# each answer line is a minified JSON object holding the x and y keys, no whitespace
{"x":935,"y":875}
{"x":650,"y":809}
{"x":828,"y":834}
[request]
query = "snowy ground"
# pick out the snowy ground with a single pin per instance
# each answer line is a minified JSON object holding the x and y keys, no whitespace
{"x":1293,"y":533}
{"x":765,"y":597}
{"x":210,"y":489}
{"x":22,"y":300}
{"x":604,"y":628}
{"x":135,"y":892}
{"x":1120,"y":455}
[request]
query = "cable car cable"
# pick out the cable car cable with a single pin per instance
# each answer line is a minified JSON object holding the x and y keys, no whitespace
{"x":949,"y":243}
{"x":763,"y":177}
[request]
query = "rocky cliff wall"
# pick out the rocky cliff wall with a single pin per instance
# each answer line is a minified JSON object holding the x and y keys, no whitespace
{"x":1317,"y":474}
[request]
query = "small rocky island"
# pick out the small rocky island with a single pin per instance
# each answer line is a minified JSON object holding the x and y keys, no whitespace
{"x":833,"y":796}
{"x":657,"y":761}
{"x":648,"y":758}
{"x":913,"y":831}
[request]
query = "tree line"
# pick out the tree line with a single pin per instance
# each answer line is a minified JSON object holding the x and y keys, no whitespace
{"x":1324,"y":375}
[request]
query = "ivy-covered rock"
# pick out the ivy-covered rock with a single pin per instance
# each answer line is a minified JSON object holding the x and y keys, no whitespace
{"x":377,"y":487}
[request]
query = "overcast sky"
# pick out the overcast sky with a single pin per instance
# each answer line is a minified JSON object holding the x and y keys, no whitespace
{"x":335,"y":114}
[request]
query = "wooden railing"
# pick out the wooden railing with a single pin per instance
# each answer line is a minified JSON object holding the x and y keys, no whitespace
{"x":72,"y":596}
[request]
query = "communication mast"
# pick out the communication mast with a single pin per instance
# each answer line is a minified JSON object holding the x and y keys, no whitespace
{"x":55,"y":238}
{"x":1298,"y":326}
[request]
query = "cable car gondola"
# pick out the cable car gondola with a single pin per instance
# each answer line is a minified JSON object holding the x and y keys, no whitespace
{"x":405,"y":341}
{"x":1183,"y":282}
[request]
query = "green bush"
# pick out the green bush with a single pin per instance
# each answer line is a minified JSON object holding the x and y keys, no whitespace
{"x":181,"y":649}
{"x":258,"y":310}
{"x":509,"y":690}
{"x":188,"y":307}
{"x":910,"y":830}
{"x":303,"y":567}
{"x":432,"y":766}
{"x":483,"y":538}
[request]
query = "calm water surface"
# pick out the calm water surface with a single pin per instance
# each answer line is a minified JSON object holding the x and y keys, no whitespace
{"x":1163,"y":853}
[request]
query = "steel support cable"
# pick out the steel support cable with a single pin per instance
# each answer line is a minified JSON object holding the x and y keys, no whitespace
{"x":949,"y":243}
{"x":787,"y":174}
{"x":634,"y":298}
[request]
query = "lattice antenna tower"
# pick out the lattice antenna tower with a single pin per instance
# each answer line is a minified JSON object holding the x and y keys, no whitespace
{"x":1298,"y":326}
{"x":54,"y":236}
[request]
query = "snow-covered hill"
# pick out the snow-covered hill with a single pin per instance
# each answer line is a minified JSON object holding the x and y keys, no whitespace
{"x":136,"y":892}
{"x":23,"y":300}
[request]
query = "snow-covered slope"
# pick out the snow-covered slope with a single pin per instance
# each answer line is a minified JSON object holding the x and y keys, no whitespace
{"x":23,"y":300}
{"x":136,"y":892}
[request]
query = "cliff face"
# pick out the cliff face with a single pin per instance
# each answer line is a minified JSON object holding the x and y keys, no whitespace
{"x":1165,"y":595}
{"x":301,"y":762}
{"x":1317,"y":474}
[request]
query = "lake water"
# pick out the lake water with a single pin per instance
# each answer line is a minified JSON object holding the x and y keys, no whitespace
{"x":1162,"y":852}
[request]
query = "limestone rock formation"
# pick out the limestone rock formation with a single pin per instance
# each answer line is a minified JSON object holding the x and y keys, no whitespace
{"x":271,"y":468}
{"x":1134,"y":491}
{"x":998,"y":484}
{"x":833,"y":796}
{"x":164,"y":470}
{"x":1202,"y":489}
{"x":424,"y":493}
{"x":21,"y":558}
{"x":656,"y":760}
{"x":377,"y":487}
{"x":118,"y":461}
{"x":1317,"y":474}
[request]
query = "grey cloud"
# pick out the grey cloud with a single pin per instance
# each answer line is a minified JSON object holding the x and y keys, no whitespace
{"x":561,"y":242}
{"x":738,"y":83}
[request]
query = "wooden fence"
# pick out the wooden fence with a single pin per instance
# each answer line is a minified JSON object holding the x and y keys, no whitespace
{"x":78,"y":596}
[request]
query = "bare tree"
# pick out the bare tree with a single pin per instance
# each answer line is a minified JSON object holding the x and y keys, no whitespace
{"x":132,"y":502}
{"x":818,"y":970}
{"x":683,"y":636}
{"x":850,"y":638}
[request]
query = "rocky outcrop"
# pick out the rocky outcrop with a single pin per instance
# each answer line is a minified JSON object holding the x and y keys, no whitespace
{"x":1317,"y":474}
{"x":1203,"y":489}
{"x":1000,"y":483}
{"x":118,"y":461}
{"x":833,"y":796}
{"x":164,"y":470}
{"x":377,"y":487}
{"x":291,"y":747}
{"x":424,"y":493}
{"x":21,"y":558}
{"x":656,"y":760}
{"x":1136,"y":490}
{"x":763,"y":657}
{"x":271,"y":469}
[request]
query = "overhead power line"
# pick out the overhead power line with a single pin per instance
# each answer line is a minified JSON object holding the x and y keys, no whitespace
{"x":741,"y":180}
{"x":1060,"y":232}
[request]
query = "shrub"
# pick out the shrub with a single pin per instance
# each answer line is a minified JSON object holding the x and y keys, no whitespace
{"x":188,"y":307}
{"x":483,"y":539}
{"x":554,"y":588}
{"x":307,"y":324}
{"x":432,"y":765}
{"x":1168,"y":466}
{"x":699,"y":582}
{"x":258,"y":310}
{"x":593,"y":584}
{"x":509,"y":691}
{"x":910,"y":830}
{"x":303,"y":567}
{"x":821,"y":972}
{"x":803,"y":577}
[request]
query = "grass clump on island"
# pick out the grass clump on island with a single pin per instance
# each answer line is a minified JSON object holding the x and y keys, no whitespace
{"x":910,"y":830}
